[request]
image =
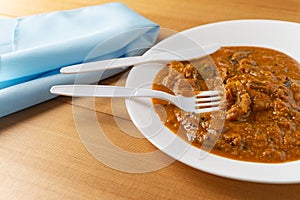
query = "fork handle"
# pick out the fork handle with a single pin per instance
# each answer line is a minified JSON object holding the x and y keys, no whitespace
{"x":105,"y":64}
{"x":109,"y":91}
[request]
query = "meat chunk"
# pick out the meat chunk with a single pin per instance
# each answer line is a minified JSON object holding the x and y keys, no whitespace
{"x":260,"y":101}
{"x":241,"y":109}
{"x":238,"y":100}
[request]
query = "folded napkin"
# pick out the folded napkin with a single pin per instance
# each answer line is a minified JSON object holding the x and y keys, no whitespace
{"x":34,"y":48}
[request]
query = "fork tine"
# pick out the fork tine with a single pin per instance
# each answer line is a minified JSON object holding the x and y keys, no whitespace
{"x":210,"y":104}
{"x":208,"y":99}
{"x":208,"y":93}
{"x":204,"y":110}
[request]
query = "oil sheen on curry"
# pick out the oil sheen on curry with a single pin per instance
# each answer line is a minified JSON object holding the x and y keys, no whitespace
{"x":262,"y":107}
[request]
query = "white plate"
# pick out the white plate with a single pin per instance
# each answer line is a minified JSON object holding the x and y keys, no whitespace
{"x":283,"y":36}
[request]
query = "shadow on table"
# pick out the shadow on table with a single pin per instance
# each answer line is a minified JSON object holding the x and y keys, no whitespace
{"x":234,"y":189}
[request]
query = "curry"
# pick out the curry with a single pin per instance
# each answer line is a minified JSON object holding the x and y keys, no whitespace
{"x":262,"y":102}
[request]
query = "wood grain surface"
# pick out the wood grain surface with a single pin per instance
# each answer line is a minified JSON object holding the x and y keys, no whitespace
{"x":43,"y":157}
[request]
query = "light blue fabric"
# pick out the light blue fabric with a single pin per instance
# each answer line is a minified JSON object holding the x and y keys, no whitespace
{"x":34,"y":48}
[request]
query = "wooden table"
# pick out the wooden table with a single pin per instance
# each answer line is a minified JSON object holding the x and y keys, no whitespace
{"x":42,"y":156}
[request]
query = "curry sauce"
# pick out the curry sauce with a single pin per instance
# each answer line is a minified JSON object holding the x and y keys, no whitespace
{"x":262,"y":102}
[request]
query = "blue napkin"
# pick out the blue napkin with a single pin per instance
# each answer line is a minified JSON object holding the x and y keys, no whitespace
{"x":34,"y":48}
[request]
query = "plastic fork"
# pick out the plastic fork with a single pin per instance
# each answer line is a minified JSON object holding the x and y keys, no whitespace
{"x":205,"y":101}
